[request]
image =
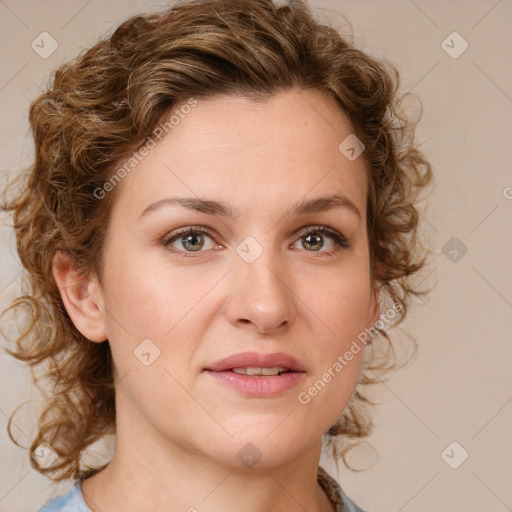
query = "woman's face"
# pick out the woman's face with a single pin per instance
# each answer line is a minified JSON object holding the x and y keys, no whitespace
{"x":255,"y":276}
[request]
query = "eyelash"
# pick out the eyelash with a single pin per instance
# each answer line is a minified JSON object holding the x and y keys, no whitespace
{"x":340,"y":241}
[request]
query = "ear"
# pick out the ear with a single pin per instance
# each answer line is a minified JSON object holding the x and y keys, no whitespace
{"x":82,"y":297}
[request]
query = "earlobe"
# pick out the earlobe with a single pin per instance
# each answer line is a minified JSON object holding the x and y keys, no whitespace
{"x":82,"y":297}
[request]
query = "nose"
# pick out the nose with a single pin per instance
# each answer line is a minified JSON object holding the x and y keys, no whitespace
{"x":261,"y":294}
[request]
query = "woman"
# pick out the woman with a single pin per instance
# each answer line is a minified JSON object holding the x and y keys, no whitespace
{"x":218,"y":228}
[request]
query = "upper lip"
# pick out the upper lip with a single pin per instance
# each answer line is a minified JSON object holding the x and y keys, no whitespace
{"x":256,"y":360}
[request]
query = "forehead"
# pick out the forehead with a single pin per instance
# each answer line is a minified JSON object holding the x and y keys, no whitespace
{"x":249,"y":154}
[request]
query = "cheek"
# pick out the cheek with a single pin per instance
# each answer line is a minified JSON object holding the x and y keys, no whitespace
{"x":341,"y":307}
{"x":149,"y":303}
{"x":142,"y":309}
{"x":341,"y":301}
{"x":144,"y":299}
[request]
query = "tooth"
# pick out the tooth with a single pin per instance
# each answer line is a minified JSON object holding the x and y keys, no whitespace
{"x":251,"y":370}
{"x":272,"y":371}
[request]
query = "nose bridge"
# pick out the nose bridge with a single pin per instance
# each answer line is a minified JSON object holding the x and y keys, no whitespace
{"x":261,"y":290}
{"x":260,"y":266}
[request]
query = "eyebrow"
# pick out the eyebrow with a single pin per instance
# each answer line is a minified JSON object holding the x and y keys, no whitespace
{"x":211,"y":207}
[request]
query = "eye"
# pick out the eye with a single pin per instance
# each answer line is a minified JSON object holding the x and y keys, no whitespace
{"x":191,"y":238}
{"x":198,"y":239}
{"x":312,"y":239}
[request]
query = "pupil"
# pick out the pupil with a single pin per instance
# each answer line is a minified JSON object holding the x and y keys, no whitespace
{"x":189,"y":240}
{"x":315,"y":239}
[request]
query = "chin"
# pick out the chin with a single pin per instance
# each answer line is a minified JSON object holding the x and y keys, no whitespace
{"x":259,"y":447}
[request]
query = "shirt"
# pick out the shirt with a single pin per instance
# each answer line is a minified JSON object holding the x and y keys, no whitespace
{"x":74,"y":501}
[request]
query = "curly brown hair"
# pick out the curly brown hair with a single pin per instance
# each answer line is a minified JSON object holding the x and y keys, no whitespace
{"x":101,"y":107}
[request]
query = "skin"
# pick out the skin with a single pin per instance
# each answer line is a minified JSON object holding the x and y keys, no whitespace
{"x":178,"y":430}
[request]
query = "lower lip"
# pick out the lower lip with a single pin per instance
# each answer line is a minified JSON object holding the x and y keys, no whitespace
{"x":258,"y":386}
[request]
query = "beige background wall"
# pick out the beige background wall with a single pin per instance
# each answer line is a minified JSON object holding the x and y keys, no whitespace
{"x":460,"y":388}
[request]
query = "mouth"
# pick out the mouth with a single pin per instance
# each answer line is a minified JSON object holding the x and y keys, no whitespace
{"x":257,"y":375}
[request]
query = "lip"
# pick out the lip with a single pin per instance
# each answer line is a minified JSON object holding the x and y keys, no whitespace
{"x":257,"y":360}
{"x":257,"y":386}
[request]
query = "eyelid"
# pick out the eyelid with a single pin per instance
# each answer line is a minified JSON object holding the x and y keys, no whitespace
{"x":321,"y":228}
{"x":188,"y":229}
